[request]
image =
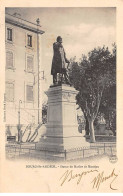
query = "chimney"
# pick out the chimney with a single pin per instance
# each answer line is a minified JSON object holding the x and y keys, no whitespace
{"x":17,"y":15}
{"x":38,"y":22}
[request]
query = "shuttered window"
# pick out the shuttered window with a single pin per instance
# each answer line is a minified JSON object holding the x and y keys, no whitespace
{"x":9,"y":34}
{"x":29,"y":40}
{"x":30,"y":63}
{"x":9,"y":59}
{"x":29,"y":93}
{"x":9,"y":91}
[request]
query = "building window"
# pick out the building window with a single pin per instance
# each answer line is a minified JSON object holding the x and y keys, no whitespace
{"x":9,"y":59}
{"x":30,"y":63}
{"x":10,"y":91}
{"x":9,"y":34}
{"x":29,"y":40}
{"x":29,"y":93}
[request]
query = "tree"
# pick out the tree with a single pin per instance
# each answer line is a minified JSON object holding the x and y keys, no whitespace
{"x":91,"y":76}
{"x":108,"y":107}
{"x":108,"y":101}
{"x":44,"y":112}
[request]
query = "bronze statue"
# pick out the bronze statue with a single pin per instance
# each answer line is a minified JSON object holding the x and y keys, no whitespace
{"x":59,"y":63}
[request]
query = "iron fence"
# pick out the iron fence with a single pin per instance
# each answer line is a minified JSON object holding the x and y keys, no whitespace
{"x":29,"y":151}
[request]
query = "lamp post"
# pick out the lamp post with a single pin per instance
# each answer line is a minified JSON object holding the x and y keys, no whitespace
{"x":19,"y":121}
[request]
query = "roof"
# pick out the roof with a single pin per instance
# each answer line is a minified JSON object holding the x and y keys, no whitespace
{"x":22,"y":23}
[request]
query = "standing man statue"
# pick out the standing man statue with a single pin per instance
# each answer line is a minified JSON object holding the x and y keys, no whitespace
{"x":58,"y":63}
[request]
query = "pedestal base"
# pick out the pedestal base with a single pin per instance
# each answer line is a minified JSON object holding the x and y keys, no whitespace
{"x":62,"y":126}
{"x":58,"y":142}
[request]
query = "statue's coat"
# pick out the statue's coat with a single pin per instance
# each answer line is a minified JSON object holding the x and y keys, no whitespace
{"x":59,"y":58}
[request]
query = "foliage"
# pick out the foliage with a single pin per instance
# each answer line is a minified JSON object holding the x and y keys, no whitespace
{"x":91,"y":77}
{"x":44,"y":112}
{"x":108,"y":107}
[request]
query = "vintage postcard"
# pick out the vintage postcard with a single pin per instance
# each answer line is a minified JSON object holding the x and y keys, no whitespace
{"x":61,"y":97}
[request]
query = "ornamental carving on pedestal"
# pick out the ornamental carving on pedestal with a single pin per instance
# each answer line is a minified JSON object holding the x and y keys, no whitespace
{"x":68,"y":96}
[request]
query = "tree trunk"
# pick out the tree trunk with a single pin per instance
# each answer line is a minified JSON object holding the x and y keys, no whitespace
{"x":86,"y":125}
{"x":91,"y":128}
{"x":35,"y":132}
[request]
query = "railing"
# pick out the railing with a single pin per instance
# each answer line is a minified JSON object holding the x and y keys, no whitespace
{"x":94,"y":150}
{"x":21,"y":151}
{"x":26,"y":151}
{"x":102,"y":144}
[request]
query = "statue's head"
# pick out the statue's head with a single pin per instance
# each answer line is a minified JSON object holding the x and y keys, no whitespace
{"x":59,"y":39}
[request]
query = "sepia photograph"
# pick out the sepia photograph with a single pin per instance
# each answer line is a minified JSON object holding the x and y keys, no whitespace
{"x":61,"y":99}
{"x":60,"y":83}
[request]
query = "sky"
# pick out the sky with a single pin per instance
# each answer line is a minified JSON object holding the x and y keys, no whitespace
{"x":81,"y":29}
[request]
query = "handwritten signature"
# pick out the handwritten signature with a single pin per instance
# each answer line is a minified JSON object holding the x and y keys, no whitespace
{"x":100,"y":178}
{"x":97,"y":181}
{"x":68,"y":176}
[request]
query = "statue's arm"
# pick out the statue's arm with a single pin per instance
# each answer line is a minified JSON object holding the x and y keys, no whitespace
{"x":66,"y":60}
{"x":54,"y":46}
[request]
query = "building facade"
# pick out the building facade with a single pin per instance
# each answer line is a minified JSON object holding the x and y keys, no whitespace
{"x":22,"y":75}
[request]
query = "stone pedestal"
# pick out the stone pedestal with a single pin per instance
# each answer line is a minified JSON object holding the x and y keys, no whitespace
{"x":62,"y":126}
